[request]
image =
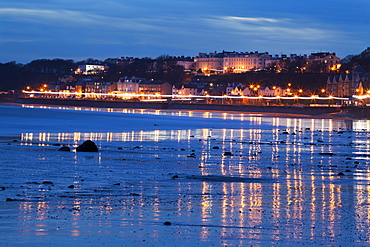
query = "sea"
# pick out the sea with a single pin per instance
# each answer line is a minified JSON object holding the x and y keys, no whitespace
{"x":181,"y":178}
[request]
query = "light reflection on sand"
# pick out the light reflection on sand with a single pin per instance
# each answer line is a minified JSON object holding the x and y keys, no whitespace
{"x":297,"y":196}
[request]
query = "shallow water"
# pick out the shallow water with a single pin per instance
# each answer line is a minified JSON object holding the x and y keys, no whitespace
{"x":287,"y":181}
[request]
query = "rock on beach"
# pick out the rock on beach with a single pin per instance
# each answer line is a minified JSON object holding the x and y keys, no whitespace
{"x":87,"y":146}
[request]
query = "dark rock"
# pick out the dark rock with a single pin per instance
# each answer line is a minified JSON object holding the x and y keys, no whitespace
{"x":173,"y":177}
{"x":87,"y":146}
{"x":285,"y":133}
{"x":47,"y":182}
{"x":192,"y":155}
{"x":347,"y":170}
{"x":167,"y":223}
{"x":117,"y":184}
{"x":215,"y":147}
{"x":340,"y":174}
{"x":134,"y":194}
{"x":320,"y":141}
{"x":71,"y":186}
{"x":64,"y":148}
{"x":15,"y":141}
{"x":10,"y":200}
{"x":228,"y":153}
{"x":119,"y":148}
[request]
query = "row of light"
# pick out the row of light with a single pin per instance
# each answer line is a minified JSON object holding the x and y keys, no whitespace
{"x":313,"y":97}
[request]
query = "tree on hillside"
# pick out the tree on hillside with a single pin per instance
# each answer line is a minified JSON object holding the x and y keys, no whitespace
{"x":351,"y":61}
{"x":166,"y":69}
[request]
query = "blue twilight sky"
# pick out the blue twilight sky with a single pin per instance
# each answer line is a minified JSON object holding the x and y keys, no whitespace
{"x":80,"y":29}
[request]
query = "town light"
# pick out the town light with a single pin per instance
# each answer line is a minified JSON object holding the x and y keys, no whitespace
{"x":323,"y":90}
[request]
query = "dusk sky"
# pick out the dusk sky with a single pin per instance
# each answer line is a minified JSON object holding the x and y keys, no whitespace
{"x":141,"y":28}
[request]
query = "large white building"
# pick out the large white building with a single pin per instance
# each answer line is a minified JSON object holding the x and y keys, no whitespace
{"x":241,"y":62}
{"x":231,"y":61}
{"x":91,"y":69}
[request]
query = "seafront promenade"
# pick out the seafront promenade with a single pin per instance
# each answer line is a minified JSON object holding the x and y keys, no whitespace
{"x":317,"y":111}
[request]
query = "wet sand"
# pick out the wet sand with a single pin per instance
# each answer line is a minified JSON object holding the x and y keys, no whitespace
{"x":182,"y":180}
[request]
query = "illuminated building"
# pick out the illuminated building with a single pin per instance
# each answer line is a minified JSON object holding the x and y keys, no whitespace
{"x":329,"y":61}
{"x":97,"y":87}
{"x":91,"y":69}
{"x":345,"y":85}
{"x":242,"y":62}
{"x":155,"y":87}
{"x":186,"y":89}
{"x":129,"y":84}
{"x":211,"y":62}
{"x":234,"y":62}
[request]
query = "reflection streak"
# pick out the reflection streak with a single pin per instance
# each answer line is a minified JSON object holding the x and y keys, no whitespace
{"x":299,"y":190}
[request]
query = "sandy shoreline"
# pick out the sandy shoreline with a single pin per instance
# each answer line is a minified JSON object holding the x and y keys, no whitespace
{"x":333,"y":115}
{"x":279,"y":111}
{"x":293,"y":181}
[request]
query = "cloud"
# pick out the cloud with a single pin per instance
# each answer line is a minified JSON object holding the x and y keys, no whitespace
{"x":72,"y":19}
{"x":251,"y":19}
{"x":16,"y":40}
{"x":270,"y":28}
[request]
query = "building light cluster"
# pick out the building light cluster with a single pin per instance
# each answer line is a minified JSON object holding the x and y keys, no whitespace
{"x":156,"y":95}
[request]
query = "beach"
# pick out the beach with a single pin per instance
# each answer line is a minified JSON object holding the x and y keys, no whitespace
{"x":181,"y":178}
